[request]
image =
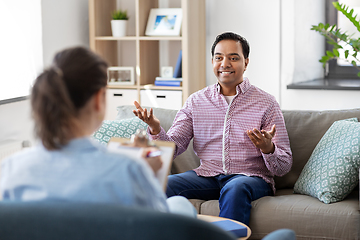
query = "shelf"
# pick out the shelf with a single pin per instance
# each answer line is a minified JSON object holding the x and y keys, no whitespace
{"x":152,"y":38}
{"x":327,"y":84}
{"x":111,"y":38}
{"x":153,"y":87}
{"x":142,"y":38}
{"x":121,"y":86}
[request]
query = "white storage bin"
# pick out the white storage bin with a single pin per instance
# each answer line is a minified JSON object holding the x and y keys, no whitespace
{"x":161,"y":98}
{"x":118,"y":97}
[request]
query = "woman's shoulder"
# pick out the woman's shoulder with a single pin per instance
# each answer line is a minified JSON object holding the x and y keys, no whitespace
{"x":23,"y":154}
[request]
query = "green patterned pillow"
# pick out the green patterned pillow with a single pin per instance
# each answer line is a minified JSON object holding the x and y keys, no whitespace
{"x":333,"y":167}
{"x":118,"y":128}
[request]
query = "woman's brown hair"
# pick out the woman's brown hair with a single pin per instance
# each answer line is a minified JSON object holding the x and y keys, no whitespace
{"x":62,"y":90}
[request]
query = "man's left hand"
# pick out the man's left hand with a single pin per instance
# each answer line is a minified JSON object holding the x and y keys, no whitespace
{"x":262,"y":139}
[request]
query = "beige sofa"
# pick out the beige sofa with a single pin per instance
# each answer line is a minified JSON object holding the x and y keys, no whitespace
{"x":306,"y":215}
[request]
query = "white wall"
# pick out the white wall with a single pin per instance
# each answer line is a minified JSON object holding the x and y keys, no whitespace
{"x":65,"y":24}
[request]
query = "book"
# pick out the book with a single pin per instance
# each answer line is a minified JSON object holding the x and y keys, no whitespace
{"x":168,"y":83}
{"x":178,"y":66}
{"x":168,"y":79}
{"x":237,"y":229}
{"x":167,"y":149}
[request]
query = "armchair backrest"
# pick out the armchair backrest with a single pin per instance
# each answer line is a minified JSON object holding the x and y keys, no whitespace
{"x":70,"y":221}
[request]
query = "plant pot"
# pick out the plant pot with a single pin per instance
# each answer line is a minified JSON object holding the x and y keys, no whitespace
{"x":118,"y":28}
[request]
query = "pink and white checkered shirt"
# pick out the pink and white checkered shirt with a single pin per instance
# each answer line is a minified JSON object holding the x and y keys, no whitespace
{"x":219,"y":132}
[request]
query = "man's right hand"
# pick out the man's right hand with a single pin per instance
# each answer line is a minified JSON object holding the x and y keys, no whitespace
{"x":149,"y":118}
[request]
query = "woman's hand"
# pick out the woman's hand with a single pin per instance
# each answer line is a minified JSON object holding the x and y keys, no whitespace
{"x":149,"y":118}
{"x":154,"y":162}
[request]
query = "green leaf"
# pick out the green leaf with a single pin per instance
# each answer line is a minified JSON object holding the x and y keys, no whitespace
{"x":321,"y":25}
{"x":330,"y":54}
{"x":336,"y":52}
{"x":119,"y":15}
{"x":332,"y":28}
{"x":323,"y":60}
{"x":344,"y":10}
{"x":327,"y":26}
{"x":353,"y":63}
{"x":358,"y":74}
{"x":346,"y":53}
{"x":334,"y":43}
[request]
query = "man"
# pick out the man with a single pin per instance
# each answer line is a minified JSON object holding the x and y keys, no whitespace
{"x":239,"y":134}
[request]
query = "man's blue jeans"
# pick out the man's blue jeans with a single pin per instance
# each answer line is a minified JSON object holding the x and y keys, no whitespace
{"x":235,"y":192}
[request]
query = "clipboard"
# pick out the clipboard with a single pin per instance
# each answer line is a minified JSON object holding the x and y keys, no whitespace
{"x":117,"y":144}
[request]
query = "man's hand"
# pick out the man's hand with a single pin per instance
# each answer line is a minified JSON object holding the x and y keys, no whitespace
{"x":154,"y":162}
{"x":262,"y":139}
{"x":149,"y":118}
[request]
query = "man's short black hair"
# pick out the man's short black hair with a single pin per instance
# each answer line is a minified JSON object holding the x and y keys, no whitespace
{"x":235,"y":37}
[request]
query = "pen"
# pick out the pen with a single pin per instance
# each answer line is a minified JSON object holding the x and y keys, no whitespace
{"x":153,"y":153}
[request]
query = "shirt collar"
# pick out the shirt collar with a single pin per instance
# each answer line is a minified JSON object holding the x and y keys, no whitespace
{"x":240,"y":88}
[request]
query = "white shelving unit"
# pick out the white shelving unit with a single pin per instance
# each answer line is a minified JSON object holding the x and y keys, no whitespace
{"x":143,"y":52}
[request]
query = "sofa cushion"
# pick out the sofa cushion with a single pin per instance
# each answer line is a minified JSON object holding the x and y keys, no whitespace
{"x":307,"y":216}
{"x":314,"y":219}
{"x":118,"y":128}
{"x":305,"y":129}
{"x":332,"y":170}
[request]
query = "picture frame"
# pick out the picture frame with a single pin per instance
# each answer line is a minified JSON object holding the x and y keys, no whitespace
{"x":164,"y":22}
{"x":121,"y":76}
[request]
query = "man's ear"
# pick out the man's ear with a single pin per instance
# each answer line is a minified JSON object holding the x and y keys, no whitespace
{"x":246,"y":63}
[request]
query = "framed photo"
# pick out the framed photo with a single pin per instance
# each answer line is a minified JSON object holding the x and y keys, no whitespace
{"x":164,"y":22}
{"x":121,"y":76}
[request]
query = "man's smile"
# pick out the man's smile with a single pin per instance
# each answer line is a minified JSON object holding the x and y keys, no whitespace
{"x":225,"y":73}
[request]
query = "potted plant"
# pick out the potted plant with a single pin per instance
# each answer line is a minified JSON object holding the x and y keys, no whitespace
{"x":341,"y":40}
{"x":119,"y":23}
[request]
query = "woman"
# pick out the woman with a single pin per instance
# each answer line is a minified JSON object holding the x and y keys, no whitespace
{"x":68,"y":105}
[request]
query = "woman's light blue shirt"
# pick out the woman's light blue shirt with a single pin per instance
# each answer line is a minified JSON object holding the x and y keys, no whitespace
{"x":82,"y":171}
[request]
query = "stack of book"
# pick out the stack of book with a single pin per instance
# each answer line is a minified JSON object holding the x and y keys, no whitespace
{"x":166,"y":81}
{"x":176,"y":80}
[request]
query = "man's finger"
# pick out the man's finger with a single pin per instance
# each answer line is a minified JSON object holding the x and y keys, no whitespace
{"x":258,"y":134}
{"x":273,"y":130}
{"x":253,"y":137}
{"x":137,"y":105}
{"x":145,"y":114}
{"x":267,"y":135}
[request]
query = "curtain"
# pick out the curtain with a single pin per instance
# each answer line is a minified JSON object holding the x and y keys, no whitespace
{"x":21,"y":55}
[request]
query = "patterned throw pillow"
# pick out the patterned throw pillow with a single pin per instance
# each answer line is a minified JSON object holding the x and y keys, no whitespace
{"x":118,"y":128}
{"x":333,"y":168}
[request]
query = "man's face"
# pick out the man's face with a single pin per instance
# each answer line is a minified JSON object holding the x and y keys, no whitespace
{"x":229,"y":63}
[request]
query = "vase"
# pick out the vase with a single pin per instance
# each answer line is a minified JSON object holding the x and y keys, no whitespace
{"x":118,"y":28}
